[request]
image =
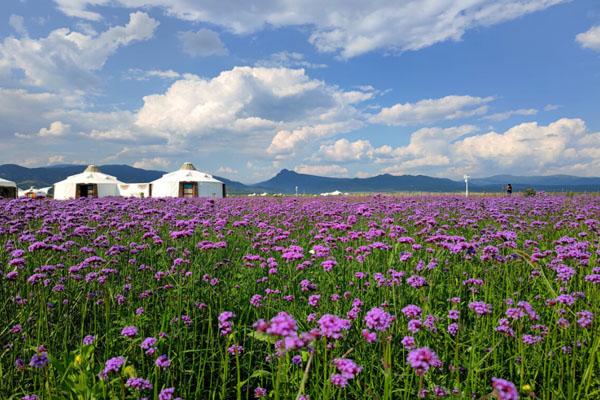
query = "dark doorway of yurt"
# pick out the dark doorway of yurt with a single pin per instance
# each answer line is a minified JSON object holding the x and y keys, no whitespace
{"x":188,"y":189}
{"x":8,"y":192}
{"x":87,"y":190}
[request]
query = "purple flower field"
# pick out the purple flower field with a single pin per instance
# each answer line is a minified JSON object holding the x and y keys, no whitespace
{"x":299,"y":298}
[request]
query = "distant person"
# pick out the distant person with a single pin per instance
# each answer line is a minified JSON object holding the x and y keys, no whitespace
{"x":508,"y":189}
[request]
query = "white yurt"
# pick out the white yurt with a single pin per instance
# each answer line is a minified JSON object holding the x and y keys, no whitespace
{"x":187,"y":182}
{"x":8,"y":189}
{"x":139,"y":190}
{"x":89,"y":183}
{"x":34,"y":192}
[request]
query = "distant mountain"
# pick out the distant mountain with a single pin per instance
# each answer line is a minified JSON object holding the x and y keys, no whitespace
{"x":286,"y":181}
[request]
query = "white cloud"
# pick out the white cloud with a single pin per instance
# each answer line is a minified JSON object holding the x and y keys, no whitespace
{"x":432,"y":110}
{"x":564,"y":146}
{"x":346,"y":27}
{"x":343,"y":150}
{"x":590,"y":39}
{"x":247,"y":105}
{"x":322,"y":170}
{"x":288,"y":59}
{"x":67,"y":59}
{"x":203,"y":43}
{"x":226,"y":170}
{"x":18,"y":24}
{"x":501,"y":116}
{"x":152,"y":163}
{"x":55,"y":130}
{"x":136,"y":74}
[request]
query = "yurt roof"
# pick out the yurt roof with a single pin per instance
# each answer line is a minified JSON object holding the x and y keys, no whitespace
{"x":91,"y":174}
{"x":187,"y":173}
{"x":6,"y":182}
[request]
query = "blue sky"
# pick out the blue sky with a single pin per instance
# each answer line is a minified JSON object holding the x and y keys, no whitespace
{"x":344,"y":88}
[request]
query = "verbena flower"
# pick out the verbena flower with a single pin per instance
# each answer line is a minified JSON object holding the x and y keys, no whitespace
{"x":422,"y":359}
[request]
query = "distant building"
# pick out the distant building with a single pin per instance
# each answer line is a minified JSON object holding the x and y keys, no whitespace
{"x":89,"y":183}
{"x":8,"y":189}
{"x":187,"y":181}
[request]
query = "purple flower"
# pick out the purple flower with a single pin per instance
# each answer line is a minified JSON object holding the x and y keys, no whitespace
{"x":313,"y":300}
{"x":235,"y":349}
{"x":585,"y":318}
{"x":347,"y":367}
{"x":163,"y":362}
{"x":260,"y":392}
{"x":30,"y":397}
{"x":283,"y":324}
{"x":378,"y":319}
{"x":453,"y":329}
{"x":255,"y":300}
{"x":129,"y":331}
{"x":411,"y":311}
{"x":138,"y":384}
{"x":112,"y":365}
{"x":224,"y":322}
{"x":148,"y":343}
{"x":331,"y":326}
{"x":339,"y":380}
{"x":166,"y":394}
{"x":505,"y":390}
{"x":422,"y":359}
{"x":408,"y":342}
{"x":480,"y":308}
{"x":89,"y":339}
{"x":370,"y":337}
{"x":39,"y":360}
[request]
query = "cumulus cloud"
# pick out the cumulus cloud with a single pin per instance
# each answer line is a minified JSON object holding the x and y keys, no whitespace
{"x":55,"y":130}
{"x":590,"y":39}
{"x":432,"y":110}
{"x":349,"y":28}
{"x":250,"y":104}
{"x":344,"y":151}
{"x":67,"y":59}
{"x":563,"y":146}
{"x":202,"y":43}
{"x":322,"y":170}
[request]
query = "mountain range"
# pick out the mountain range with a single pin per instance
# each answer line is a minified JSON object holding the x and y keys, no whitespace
{"x":286,"y":181}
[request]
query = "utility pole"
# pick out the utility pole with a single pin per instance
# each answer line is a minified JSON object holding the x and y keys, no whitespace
{"x":466,"y":178}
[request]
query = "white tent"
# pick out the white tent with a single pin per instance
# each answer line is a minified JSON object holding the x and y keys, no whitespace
{"x":8,"y":189}
{"x":139,"y":190}
{"x":187,"y":182}
{"x":89,"y":183}
{"x":34,"y":192}
{"x":334,"y":193}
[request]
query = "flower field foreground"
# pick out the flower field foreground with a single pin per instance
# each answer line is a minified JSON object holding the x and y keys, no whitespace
{"x":297,"y":298}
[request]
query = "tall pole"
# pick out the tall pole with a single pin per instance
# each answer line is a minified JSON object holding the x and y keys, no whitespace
{"x":466,"y":177}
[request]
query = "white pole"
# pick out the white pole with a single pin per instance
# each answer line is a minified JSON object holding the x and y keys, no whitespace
{"x":466,"y":177}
